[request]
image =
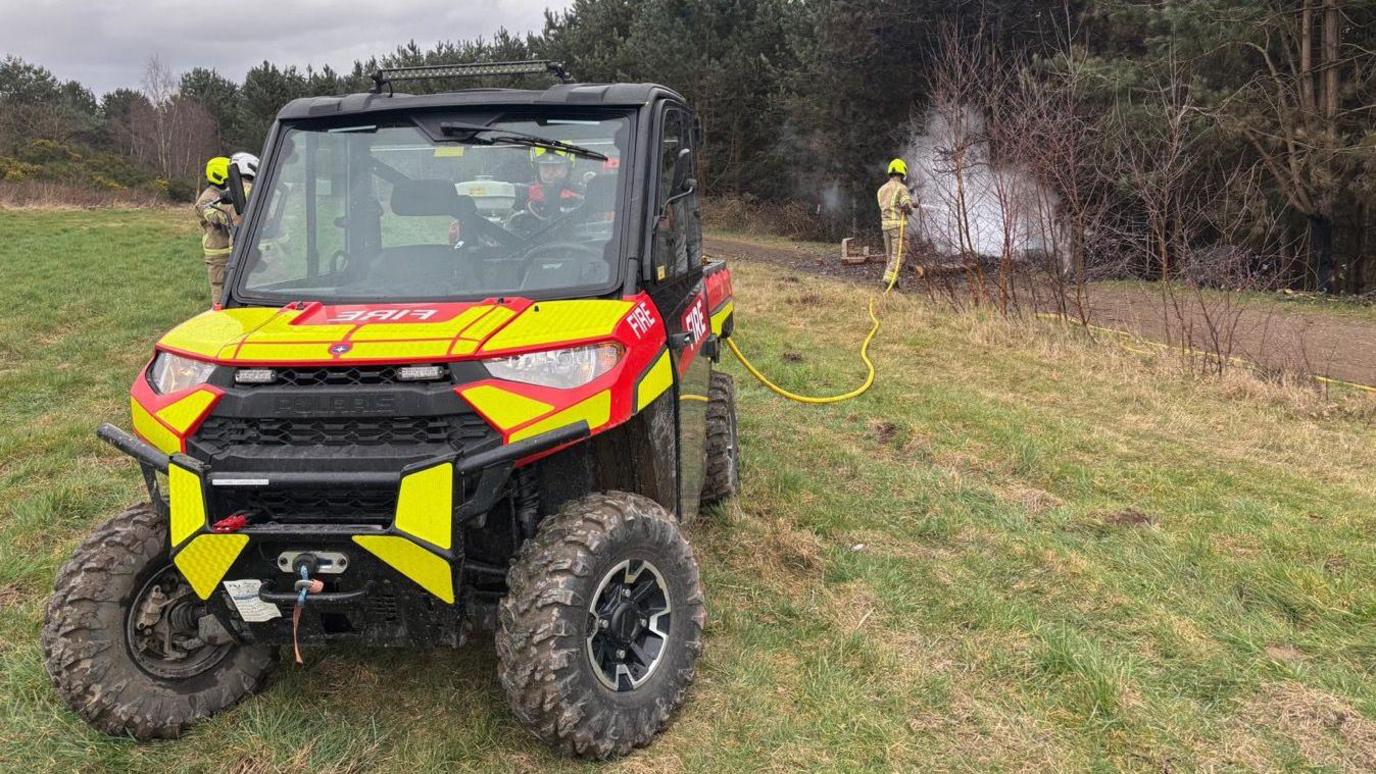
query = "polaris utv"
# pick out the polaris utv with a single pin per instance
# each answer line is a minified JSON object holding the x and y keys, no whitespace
{"x":461,"y":376}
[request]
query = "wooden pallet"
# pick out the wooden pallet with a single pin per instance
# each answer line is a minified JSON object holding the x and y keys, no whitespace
{"x":851,"y":258}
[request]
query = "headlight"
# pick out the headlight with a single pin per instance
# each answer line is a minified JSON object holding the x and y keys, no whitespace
{"x":562,"y":368}
{"x":171,"y":373}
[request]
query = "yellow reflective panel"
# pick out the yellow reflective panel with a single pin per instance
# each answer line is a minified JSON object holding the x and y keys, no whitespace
{"x":186,"y":502}
{"x":657,"y":379}
{"x":284,"y":353}
{"x":595,"y":411}
{"x":506,"y":409}
{"x":463,"y":347}
{"x":719,"y":319}
{"x":387,"y":350}
{"x":550,"y":322}
{"x":429,"y":571}
{"x":206,"y":559}
{"x":495,"y":318}
{"x":425,"y":507}
{"x":151,"y":430}
{"x":281,"y":329}
{"x":207,"y":332}
{"x":187,"y":410}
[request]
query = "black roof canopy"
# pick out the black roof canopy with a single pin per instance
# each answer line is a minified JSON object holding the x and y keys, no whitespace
{"x":570,"y":94}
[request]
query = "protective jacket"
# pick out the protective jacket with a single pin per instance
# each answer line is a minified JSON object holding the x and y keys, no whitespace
{"x":546,"y":200}
{"x":217,"y":222}
{"x":894,"y":203}
{"x":215,"y":219}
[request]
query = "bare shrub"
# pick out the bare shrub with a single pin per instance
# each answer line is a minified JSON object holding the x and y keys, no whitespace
{"x":168,"y":131}
{"x":792,"y":219}
{"x":46,"y":194}
{"x":1009,"y":161}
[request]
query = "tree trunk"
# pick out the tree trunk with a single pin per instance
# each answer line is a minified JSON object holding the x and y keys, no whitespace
{"x":1310,"y":104}
{"x":1332,"y":12}
{"x":1356,"y":280}
{"x":1321,"y":250}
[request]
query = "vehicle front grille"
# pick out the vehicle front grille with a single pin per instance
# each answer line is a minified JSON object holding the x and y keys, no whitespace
{"x":219,"y":433}
{"x":351,"y":505}
{"x":334,"y":376}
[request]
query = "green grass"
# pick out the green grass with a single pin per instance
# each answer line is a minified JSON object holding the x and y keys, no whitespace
{"x":1020,"y":550}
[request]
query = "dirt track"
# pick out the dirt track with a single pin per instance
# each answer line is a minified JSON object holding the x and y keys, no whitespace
{"x":1308,"y":340}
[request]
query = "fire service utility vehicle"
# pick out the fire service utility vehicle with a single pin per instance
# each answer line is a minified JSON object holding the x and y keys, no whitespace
{"x":462,"y":374}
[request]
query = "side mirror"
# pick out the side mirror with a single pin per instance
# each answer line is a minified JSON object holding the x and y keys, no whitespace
{"x":683,"y":184}
{"x":683,"y":172}
{"x":236,"y":191}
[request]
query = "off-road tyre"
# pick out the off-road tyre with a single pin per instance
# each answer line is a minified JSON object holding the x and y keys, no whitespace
{"x":89,"y":657}
{"x":543,"y":640}
{"x":723,"y":475}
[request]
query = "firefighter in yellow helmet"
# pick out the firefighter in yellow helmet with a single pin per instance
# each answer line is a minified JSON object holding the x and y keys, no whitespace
{"x":554,"y":191}
{"x":895,"y":205}
{"x":217,"y":217}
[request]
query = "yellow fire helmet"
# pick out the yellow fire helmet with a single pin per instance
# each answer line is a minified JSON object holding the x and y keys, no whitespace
{"x":898,"y":167}
{"x":217,"y":170}
{"x":548,"y":156}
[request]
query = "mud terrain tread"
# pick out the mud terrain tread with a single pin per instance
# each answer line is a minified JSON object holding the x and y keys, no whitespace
{"x":539,"y":639}
{"x":723,"y":449}
{"x":91,"y":668}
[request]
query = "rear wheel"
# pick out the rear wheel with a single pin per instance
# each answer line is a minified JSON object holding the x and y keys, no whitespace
{"x":123,"y":641}
{"x":602,"y":626}
{"x":723,"y":447}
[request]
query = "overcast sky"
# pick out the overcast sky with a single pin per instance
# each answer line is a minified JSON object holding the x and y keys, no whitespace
{"x":105,"y":45}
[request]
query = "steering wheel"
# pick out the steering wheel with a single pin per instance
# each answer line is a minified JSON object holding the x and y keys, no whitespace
{"x":473,"y":223}
{"x":565,"y":250}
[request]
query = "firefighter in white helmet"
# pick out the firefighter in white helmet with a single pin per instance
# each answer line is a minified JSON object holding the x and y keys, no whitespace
{"x":217,"y":217}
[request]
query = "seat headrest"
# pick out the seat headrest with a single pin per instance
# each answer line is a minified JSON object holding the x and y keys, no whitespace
{"x":425,"y":197}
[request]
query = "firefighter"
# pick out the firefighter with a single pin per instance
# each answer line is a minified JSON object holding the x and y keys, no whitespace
{"x":895,"y":205}
{"x":216,"y":215}
{"x":554,"y":191}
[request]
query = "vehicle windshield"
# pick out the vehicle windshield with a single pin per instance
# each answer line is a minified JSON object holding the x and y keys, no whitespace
{"x":400,"y":211}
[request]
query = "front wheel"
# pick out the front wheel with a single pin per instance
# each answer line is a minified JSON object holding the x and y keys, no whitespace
{"x":602,"y":625}
{"x":123,"y":641}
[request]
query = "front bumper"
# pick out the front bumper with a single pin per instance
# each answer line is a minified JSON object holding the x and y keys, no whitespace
{"x":400,"y":573}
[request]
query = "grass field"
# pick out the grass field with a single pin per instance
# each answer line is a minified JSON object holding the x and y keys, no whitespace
{"x":1019,"y":551}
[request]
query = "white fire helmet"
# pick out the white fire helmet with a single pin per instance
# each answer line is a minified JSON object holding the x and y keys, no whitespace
{"x":246,"y":162}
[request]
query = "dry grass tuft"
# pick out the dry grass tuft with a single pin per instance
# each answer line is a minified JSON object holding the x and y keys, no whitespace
{"x":1130,"y":517}
{"x":779,"y":552}
{"x":10,"y":596}
{"x":1030,"y":499}
{"x":851,"y":607}
{"x":1323,"y":728}
{"x":793,"y":551}
{"x":43,"y":195}
{"x":883,"y":431}
{"x":1284,"y":653}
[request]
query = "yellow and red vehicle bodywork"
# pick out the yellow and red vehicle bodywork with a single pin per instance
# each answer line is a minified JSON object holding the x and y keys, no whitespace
{"x":312,"y":334}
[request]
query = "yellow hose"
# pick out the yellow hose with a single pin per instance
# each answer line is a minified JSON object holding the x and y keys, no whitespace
{"x":864,"y":348}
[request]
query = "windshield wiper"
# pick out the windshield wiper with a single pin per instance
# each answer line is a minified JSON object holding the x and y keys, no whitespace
{"x":498,"y":134}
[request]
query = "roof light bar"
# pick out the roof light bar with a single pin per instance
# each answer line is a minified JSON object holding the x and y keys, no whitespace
{"x":388,"y":75}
